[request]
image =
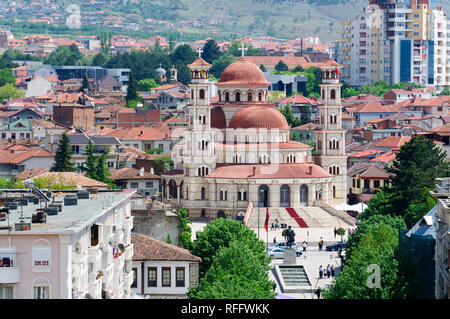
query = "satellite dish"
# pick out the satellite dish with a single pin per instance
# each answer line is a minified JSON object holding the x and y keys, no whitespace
{"x":78,"y":248}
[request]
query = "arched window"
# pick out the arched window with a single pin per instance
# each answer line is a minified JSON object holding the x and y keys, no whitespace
{"x":237,"y":97}
{"x":223,"y":195}
{"x":333,"y":94}
{"x":227,"y":97}
{"x":203,"y":193}
{"x":220,"y":96}
{"x":334,"y":144}
{"x":334,"y":170}
{"x":260,"y":96}
{"x":202,"y":94}
{"x":249,"y":96}
{"x":323,"y":94}
{"x":290,"y":158}
{"x":333,"y":118}
{"x":285,"y":196}
{"x":334,"y":191}
{"x":202,"y":170}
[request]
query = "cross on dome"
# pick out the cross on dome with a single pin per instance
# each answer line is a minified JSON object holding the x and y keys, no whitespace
{"x":199,"y":51}
{"x":242,"y":49}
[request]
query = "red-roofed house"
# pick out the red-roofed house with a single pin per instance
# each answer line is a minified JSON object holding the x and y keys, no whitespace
{"x":14,"y":160}
{"x":371,"y":110}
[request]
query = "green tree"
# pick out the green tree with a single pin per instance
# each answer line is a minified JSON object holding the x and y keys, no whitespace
{"x":281,"y":66}
{"x":6,"y":77}
{"x":102,"y":173}
{"x":99,"y":59}
{"x":146,"y":85}
{"x":132,"y":94}
{"x":414,"y":170}
{"x":288,"y":113}
{"x":298,"y":68}
{"x":211,"y":51}
{"x":235,"y":273}
{"x":64,"y":55}
{"x":185,"y":229}
{"x":305,"y":116}
{"x":91,"y":162}
{"x":85,"y":84}
{"x":221,"y":63}
{"x":262,"y":68}
{"x":162,"y":163}
{"x":347,"y":92}
{"x":220,"y":233}
{"x":63,"y":156}
{"x":377,"y":247}
{"x":445,"y":91}
{"x":9,"y":91}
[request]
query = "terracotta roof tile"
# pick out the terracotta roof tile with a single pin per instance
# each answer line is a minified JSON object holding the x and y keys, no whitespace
{"x":148,"y":248}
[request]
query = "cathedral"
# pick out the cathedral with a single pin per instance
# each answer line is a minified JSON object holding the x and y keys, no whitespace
{"x":237,"y":154}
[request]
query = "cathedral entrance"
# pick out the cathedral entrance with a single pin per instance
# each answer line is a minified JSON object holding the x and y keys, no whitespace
{"x":263,"y":196}
{"x":285,"y":196}
{"x":221,"y":214}
{"x":304,"y":195}
{"x":172,"y":189}
{"x":240,"y":216}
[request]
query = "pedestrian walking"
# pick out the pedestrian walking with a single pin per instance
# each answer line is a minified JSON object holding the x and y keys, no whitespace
{"x":320,"y":272}
{"x":304,"y":245}
{"x":272,"y":227}
{"x":274,"y":240}
{"x":320,"y":244}
{"x":328,"y":271}
{"x":332,"y":270}
{"x":318,"y":293}
{"x":335,"y":232}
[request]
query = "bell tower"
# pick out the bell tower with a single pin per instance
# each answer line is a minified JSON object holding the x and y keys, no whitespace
{"x":330,"y":136}
{"x":200,"y":159}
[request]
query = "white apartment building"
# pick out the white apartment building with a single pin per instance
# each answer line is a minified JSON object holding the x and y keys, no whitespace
{"x":396,"y":41}
{"x":80,"y":249}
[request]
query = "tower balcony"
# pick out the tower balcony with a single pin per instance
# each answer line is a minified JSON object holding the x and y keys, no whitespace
{"x":9,"y":275}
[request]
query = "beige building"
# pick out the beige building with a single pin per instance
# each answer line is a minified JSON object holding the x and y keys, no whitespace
{"x":237,"y":153}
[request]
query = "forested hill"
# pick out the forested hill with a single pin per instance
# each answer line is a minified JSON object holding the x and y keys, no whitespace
{"x":286,"y":19}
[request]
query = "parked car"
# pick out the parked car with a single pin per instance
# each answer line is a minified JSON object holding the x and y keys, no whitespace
{"x":280,"y":245}
{"x":335,"y":247}
{"x":279,"y":253}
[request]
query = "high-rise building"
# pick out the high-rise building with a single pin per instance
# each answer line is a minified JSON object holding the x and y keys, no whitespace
{"x":396,"y":41}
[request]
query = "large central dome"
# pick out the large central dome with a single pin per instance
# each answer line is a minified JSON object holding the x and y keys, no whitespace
{"x":242,"y":73}
{"x":259,"y":117}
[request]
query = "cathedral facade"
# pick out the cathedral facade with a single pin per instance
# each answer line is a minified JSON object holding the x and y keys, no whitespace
{"x":237,"y":153}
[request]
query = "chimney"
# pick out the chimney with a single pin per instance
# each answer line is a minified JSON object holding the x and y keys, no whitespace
{"x":152,"y":171}
{"x":141,"y":172}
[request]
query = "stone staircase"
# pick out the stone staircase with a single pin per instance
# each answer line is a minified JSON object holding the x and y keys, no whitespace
{"x":294,"y":276}
{"x":314,"y":217}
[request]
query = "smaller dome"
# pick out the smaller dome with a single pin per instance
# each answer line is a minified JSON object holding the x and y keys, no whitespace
{"x":160,"y":70}
{"x":218,"y":118}
{"x":259,"y":117}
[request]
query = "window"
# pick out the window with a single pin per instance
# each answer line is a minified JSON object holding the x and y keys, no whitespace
{"x":41,"y":292}
{"x":148,"y":184}
{"x":202,"y":94}
{"x":366,"y":183}
{"x":180,"y":273}
{"x":41,"y":253}
{"x":134,"y":185}
{"x":6,"y":292}
{"x":134,"y":284}
{"x":166,"y":274}
{"x":151,"y":281}
{"x":376,"y":184}
{"x":203,"y":193}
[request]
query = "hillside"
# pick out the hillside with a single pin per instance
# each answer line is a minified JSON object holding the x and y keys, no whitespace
{"x":187,"y":20}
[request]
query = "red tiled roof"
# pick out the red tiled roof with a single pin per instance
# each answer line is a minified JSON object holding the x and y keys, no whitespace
{"x":148,"y":248}
{"x":130,"y":173}
{"x":365,"y":153}
{"x":11,"y":156}
{"x":385,"y":158}
{"x":394,"y":141}
{"x":280,"y":171}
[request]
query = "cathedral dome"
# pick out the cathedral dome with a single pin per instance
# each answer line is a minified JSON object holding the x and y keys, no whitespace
{"x":218,"y":118}
{"x":242,"y":73}
{"x":259,"y":117}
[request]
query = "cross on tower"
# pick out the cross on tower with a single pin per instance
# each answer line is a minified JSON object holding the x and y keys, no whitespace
{"x":242,"y":49}
{"x":199,"y":51}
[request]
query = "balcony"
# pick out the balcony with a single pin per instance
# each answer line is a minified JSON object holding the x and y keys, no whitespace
{"x":119,"y":263}
{"x":94,"y":255}
{"x":9,"y":275}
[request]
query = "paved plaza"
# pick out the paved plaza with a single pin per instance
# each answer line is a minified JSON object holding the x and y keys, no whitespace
{"x":311,"y":260}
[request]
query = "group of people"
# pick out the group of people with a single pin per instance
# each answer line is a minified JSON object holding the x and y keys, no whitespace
{"x":276,"y":226}
{"x":328,"y":272}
